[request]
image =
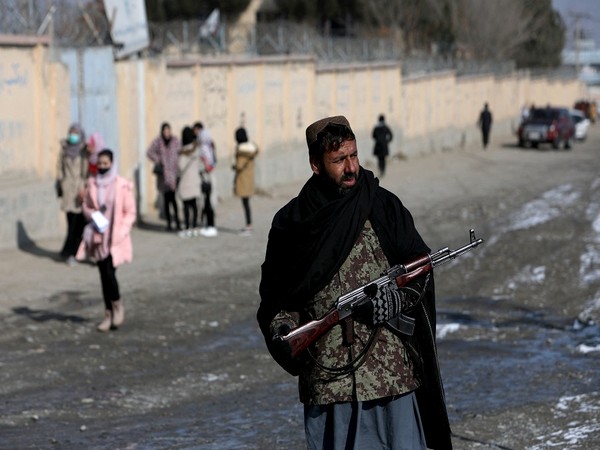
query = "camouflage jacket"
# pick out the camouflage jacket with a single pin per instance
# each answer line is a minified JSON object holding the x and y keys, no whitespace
{"x":387,"y":369}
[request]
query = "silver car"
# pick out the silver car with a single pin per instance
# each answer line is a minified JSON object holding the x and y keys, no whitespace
{"x":582,"y":123}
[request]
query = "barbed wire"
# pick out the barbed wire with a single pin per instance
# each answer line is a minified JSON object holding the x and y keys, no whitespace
{"x":69,"y":23}
{"x":80,"y":23}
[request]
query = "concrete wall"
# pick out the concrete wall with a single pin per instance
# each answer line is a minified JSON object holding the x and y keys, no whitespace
{"x":34,"y":114}
{"x":275,"y":98}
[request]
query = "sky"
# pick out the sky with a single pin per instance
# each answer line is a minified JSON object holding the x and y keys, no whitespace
{"x":590,"y":23}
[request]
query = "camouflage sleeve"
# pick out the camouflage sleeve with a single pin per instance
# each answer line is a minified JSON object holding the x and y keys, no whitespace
{"x":289,"y":318}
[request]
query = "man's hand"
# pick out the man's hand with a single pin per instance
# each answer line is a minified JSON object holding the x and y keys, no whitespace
{"x":387,"y":304}
{"x":281,"y":350}
{"x":282,"y":330}
{"x":388,"y":301}
{"x":281,"y":347}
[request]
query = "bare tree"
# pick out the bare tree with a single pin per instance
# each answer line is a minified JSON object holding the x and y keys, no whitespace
{"x":492,"y":30}
{"x":480,"y":29}
{"x":418,"y":22}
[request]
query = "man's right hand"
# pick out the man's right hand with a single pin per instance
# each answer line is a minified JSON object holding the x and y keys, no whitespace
{"x":279,"y":345}
{"x":281,"y":350}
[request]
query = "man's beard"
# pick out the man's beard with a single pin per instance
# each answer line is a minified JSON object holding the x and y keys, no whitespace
{"x":344,"y":190}
{"x":336,"y":187}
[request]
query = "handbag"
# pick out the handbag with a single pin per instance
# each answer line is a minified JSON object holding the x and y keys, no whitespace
{"x":58,"y":188}
{"x":205,"y":185}
{"x":158,"y":169}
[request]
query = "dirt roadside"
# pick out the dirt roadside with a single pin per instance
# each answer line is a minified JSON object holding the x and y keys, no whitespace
{"x":189,"y":369}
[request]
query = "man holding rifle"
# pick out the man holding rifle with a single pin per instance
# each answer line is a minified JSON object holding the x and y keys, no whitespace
{"x":364,"y":383}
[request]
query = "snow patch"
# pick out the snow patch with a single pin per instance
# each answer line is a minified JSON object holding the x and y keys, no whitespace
{"x":578,"y":432}
{"x":584,"y":348}
{"x":441,"y":331}
{"x":210,"y":377}
{"x":596,"y":228}
{"x":544,"y":209}
{"x":583,"y":403}
{"x":589,"y":268}
{"x":528,"y":275}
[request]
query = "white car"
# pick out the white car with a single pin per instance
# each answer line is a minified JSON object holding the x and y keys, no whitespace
{"x":582,"y":124}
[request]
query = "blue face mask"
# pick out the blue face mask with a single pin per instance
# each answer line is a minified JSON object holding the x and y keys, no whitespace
{"x":73,"y":138}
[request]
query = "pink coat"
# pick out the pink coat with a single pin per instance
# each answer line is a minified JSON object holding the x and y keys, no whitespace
{"x":124,"y":216}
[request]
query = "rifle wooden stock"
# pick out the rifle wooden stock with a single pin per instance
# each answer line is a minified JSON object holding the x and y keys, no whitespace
{"x":300,"y":338}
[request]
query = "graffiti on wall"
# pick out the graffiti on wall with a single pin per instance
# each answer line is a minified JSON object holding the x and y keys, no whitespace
{"x":273,"y":106}
{"x":12,"y":132}
{"x":246,"y":100}
{"x":342,"y":96}
{"x":11,"y":76}
{"x":214,"y":93}
{"x":299,"y":95}
{"x":179,"y":94}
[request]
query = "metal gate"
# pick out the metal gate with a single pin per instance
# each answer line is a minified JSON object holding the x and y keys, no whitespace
{"x":93,"y":91}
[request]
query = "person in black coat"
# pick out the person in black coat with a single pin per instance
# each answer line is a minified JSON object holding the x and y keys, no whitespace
{"x":485,"y":123}
{"x":383,"y":136}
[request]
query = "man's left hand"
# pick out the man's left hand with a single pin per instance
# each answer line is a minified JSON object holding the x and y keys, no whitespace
{"x":387,"y":303}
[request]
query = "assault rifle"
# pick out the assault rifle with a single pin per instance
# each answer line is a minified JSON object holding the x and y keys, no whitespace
{"x":300,"y":338}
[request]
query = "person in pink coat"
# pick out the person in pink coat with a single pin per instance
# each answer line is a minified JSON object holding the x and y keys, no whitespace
{"x":109,"y":205}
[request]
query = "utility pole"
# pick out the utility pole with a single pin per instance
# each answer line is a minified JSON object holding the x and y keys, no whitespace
{"x":577,"y":16}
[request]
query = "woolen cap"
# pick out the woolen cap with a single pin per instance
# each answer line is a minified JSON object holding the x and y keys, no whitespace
{"x":315,"y":128}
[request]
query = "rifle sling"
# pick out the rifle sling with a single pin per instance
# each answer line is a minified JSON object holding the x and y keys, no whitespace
{"x":353,"y":364}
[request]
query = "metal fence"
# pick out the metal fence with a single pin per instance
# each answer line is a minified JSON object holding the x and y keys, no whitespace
{"x":69,"y":23}
{"x":278,"y":38}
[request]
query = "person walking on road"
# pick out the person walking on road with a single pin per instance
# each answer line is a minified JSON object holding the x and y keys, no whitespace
{"x":209,"y":160}
{"x":363,"y":385}
{"x":189,"y":181}
{"x":71,"y":174}
{"x":163,"y":152}
{"x":243,"y":184}
{"x":485,"y":123}
{"x":382,"y":136}
{"x":109,"y":205}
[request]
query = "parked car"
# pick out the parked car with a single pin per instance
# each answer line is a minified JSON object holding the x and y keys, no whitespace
{"x":582,"y":123}
{"x":547,"y":125}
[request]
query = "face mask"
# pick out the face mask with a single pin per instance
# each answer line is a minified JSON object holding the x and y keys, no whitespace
{"x":73,"y":138}
{"x":103,"y":170}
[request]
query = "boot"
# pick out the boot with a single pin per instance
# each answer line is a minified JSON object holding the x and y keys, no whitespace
{"x":105,"y":325}
{"x":118,"y":313}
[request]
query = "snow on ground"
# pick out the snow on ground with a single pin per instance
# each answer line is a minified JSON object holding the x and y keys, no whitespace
{"x":528,"y":275}
{"x":589,"y":270}
{"x":578,"y":432}
{"x":442,"y":330}
{"x":540,"y":210}
{"x":544,"y":209}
